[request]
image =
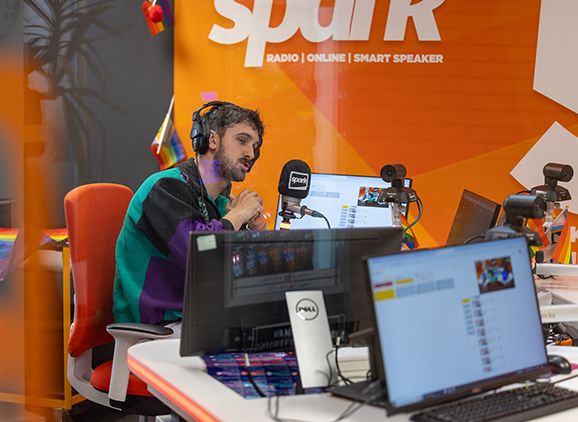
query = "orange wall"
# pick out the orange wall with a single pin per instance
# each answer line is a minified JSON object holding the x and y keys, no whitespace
{"x":463,"y":123}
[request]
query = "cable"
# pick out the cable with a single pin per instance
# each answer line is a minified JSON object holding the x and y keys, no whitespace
{"x":471,"y":239}
{"x":348,"y":411}
{"x":565,"y":379}
{"x":326,"y":221}
{"x":419,"y":214}
{"x":330,"y":368}
{"x":250,"y":376}
{"x":339,"y":373}
{"x":200,"y":199}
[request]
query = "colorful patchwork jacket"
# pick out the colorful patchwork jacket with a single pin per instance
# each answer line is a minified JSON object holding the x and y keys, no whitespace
{"x":151,"y":251}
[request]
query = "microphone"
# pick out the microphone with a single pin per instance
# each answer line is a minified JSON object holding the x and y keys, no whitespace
{"x":293,"y":187}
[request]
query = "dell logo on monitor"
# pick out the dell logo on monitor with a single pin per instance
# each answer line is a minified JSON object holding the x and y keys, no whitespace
{"x":307,"y":309}
{"x":298,"y":181}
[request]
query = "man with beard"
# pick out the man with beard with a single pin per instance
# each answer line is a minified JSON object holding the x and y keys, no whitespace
{"x":151,"y":250}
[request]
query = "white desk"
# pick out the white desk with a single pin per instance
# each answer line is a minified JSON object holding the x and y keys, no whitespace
{"x":563,"y":288}
{"x":184,"y":386}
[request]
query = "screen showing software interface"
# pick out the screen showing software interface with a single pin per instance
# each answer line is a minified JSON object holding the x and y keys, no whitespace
{"x":346,"y":201}
{"x":263,"y":271}
{"x":259,"y":273}
{"x":472,"y":307}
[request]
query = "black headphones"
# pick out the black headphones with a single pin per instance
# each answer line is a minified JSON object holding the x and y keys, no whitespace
{"x":200,"y":132}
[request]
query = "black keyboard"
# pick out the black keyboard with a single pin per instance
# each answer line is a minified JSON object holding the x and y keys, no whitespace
{"x":520,"y":404}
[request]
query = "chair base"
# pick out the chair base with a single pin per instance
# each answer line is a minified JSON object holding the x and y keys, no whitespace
{"x":147,"y":406}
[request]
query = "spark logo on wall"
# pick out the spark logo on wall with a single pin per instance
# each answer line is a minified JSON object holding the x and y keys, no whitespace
{"x":457,"y":91}
{"x":351,"y":20}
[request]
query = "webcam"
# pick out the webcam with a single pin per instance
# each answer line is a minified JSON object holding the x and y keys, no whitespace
{"x":397,"y":193}
{"x":397,"y":196}
{"x":554,"y":173}
{"x":558,"y":172}
{"x":517,"y":208}
{"x":391,"y":172}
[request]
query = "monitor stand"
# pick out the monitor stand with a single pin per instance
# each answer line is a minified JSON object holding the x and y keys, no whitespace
{"x":312,"y":337}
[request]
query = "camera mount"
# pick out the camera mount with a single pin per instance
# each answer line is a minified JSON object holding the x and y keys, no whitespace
{"x":554,"y":173}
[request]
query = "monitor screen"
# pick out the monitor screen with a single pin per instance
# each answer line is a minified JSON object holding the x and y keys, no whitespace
{"x":475,"y":215}
{"x":346,"y":201}
{"x":236,"y":283}
{"x":473,"y":308}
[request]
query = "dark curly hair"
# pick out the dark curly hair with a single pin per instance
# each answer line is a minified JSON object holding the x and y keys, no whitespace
{"x":223,"y":117}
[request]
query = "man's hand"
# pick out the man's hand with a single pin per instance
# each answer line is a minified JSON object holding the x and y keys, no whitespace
{"x":244,"y":208}
{"x":258,"y":223}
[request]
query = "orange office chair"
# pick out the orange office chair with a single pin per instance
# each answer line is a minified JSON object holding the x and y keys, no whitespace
{"x":94,"y":216}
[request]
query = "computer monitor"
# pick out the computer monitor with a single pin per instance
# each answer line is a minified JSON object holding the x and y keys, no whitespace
{"x":461,"y":320}
{"x":475,"y":215}
{"x":346,"y":201}
{"x":236,"y":282}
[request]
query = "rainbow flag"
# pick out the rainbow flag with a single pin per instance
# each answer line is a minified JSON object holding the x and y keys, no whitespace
{"x":559,"y":221}
{"x":409,"y":238}
{"x":51,"y":237}
{"x":536,"y":224}
{"x":56,"y":236}
{"x":167,"y":146}
{"x":7,"y":239}
{"x":156,"y":28}
{"x":563,"y":251}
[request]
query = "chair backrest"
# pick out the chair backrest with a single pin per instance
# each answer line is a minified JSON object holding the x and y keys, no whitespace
{"x":94,"y":216}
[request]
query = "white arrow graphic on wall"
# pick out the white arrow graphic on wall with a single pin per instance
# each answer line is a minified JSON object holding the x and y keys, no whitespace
{"x":557,"y":145}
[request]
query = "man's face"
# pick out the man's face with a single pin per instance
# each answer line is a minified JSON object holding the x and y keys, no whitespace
{"x":236,"y":151}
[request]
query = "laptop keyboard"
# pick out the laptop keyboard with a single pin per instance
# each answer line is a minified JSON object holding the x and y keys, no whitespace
{"x":519,"y":404}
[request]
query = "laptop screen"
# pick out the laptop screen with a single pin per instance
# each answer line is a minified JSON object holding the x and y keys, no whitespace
{"x":475,"y":215}
{"x":346,"y":201}
{"x":455,"y":320}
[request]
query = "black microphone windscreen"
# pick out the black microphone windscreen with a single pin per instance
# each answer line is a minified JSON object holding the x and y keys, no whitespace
{"x":294,"y":180}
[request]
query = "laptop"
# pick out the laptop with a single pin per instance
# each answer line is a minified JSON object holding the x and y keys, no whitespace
{"x":347,"y":202}
{"x":475,"y":215}
{"x":456,"y":321}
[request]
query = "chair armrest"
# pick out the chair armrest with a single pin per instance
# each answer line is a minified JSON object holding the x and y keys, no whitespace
{"x":156,"y":330}
{"x":125,"y":335}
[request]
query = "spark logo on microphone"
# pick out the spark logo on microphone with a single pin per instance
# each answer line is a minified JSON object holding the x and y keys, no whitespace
{"x":298,"y":181}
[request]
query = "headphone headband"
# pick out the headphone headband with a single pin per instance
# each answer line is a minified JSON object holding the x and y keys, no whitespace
{"x":200,"y":132}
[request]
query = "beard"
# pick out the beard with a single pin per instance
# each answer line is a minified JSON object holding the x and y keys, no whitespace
{"x":227,"y":168}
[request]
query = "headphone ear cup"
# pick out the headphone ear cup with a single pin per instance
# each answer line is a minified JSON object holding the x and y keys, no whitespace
{"x":200,"y":132}
{"x":204,"y":137}
{"x":196,"y":135}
